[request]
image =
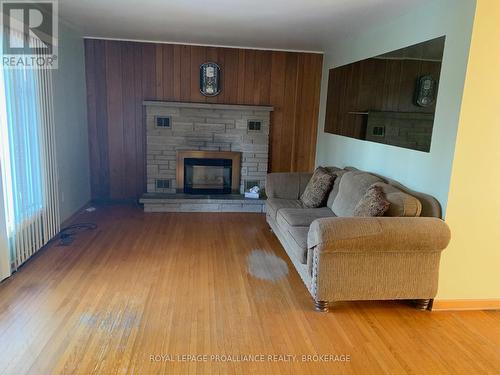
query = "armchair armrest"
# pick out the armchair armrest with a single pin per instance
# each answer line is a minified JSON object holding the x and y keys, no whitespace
{"x":286,"y":185}
{"x":378,"y":234}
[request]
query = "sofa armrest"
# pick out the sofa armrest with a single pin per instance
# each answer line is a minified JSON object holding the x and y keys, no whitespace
{"x":378,"y":234}
{"x":286,"y":185}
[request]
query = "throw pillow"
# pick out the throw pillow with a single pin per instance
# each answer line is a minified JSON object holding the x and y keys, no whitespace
{"x":317,"y":188}
{"x":353,"y":186}
{"x":372,"y":204}
{"x":402,"y":204}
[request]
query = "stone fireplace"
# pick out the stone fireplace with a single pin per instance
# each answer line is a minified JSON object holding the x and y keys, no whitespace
{"x":206,"y":148}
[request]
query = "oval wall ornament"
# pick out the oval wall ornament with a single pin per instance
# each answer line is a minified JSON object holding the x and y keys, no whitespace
{"x":209,"y":79}
{"x":426,"y":91}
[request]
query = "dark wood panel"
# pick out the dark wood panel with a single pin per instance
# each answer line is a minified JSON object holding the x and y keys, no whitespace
{"x":249,"y":76}
{"x":231,"y":62}
{"x":198,"y":57}
{"x":307,"y":117}
{"x":115,"y":119}
{"x":262,"y":77}
{"x":289,"y":105}
{"x":140,"y":139}
{"x":241,"y":76}
{"x":168,"y":71}
{"x":90,"y":76}
{"x":129,"y":118}
{"x":177,"y":73}
{"x":186,"y":73}
{"x":277,"y":97}
{"x":159,"y":71}
{"x":101,"y":134}
{"x":120,"y":75}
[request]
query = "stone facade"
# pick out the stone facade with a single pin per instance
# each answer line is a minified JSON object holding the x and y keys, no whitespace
{"x":206,"y":127}
{"x":409,"y":130}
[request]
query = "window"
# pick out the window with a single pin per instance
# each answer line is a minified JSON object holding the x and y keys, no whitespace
{"x":23,"y":155}
{"x":29,"y":175}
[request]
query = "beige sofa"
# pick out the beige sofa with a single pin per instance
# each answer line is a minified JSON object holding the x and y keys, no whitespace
{"x":340,"y":257}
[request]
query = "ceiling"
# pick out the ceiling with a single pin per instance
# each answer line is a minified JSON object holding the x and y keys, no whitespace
{"x":306,"y":25}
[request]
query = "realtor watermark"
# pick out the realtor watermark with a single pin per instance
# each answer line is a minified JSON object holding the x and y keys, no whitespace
{"x":30,"y":34}
{"x":222,"y":357}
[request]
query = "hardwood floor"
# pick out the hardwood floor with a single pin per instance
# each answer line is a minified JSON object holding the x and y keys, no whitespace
{"x":144,"y":285}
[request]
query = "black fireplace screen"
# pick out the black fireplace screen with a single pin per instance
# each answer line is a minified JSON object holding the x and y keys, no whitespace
{"x":207,"y":176}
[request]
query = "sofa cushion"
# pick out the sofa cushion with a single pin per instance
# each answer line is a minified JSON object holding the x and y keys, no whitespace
{"x":353,"y":187}
{"x":295,"y":223}
{"x":402,"y":204}
{"x":372,"y":204}
{"x":286,"y":185}
{"x":297,"y":237}
{"x":273,"y":205}
{"x":318,"y":188}
{"x":302,"y":217}
{"x":335,"y":189}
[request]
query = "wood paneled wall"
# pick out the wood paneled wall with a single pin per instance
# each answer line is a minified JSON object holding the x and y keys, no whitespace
{"x":373,"y":85}
{"x":120,"y":75}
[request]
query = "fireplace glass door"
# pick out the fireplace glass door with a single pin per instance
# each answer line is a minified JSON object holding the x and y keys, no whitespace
{"x":207,"y":176}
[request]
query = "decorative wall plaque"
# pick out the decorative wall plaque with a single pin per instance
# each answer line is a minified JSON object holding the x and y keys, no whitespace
{"x":209,"y":79}
{"x":426,"y":91}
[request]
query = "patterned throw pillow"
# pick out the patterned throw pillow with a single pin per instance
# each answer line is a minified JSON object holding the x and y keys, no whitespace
{"x":318,"y":188}
{"x":372,"y":204}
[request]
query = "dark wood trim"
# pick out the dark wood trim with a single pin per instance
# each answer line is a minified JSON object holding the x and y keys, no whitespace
{"x":465,"y":304}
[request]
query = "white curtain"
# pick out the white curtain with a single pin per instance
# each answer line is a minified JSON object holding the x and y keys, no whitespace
{"x":29,"y":173}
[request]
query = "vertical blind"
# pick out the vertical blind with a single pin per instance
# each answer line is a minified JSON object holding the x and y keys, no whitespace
{"x":28,"y":161}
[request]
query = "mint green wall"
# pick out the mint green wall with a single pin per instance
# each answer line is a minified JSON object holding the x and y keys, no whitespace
{"x":426,"y":172}
{"x":70,"y":114}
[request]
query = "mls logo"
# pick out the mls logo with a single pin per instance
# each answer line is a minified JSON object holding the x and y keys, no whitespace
{"x":29,"y":33}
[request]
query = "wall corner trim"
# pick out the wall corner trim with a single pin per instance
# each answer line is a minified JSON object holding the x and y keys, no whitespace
{"x":465,"y":304}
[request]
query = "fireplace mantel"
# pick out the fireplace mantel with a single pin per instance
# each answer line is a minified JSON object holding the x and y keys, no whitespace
{"x":232,"y":107}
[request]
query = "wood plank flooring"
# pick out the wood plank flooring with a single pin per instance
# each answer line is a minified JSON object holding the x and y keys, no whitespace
{"x":144,"y":285}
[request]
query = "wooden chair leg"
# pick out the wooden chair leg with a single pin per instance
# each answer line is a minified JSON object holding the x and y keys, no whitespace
{"x":423,"y":304}
{"x":322,"y":306}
